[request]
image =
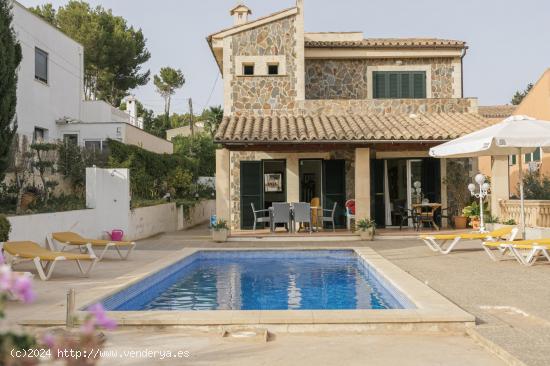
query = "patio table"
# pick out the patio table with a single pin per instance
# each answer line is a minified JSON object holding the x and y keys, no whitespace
{"x":427,"y":216}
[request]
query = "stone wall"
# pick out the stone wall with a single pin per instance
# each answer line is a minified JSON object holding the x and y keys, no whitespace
{"x":347,"y":79}
{"x":265,"y":93}
{"x":336,"y":79}
{"x":387,"y":106}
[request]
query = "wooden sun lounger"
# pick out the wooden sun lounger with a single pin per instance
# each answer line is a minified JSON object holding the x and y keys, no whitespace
{"x":72,"y":239}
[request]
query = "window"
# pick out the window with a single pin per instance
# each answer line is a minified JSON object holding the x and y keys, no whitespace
{"x":70,"y":138}
{"x":534,"y":156}
{"x":248,"y":69}
{"x":39,"y":135}
{"x":273,"y":69}
{"x":93,"y":145}
{"x":512,"y":160}
{"x":399,"y":84}
{"x":40,"y":65}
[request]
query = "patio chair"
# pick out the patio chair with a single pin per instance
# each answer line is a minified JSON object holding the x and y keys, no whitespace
{"x":437,"y":242}
{"x":302,"y":214}
{"x":526,"y":252}
{"x":404,"y":215}
{"x":445,"y":213}
{"x":331,"y":217}
{"x":280,"y":215}
{"x":71,"y":239}
{"x":259,"y":216}
{"x":350,"y":213}
{"x":23,"y":251}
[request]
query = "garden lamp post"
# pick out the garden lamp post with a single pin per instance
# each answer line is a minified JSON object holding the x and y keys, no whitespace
{"x":483,"y":192}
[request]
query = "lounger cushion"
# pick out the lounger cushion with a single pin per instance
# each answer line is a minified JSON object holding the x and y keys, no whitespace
{"x":30,"y":250}
{"x":72,"y":238}
{"x":493,"y":234}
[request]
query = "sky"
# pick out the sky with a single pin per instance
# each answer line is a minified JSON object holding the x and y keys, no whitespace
{"x":509,"y":40}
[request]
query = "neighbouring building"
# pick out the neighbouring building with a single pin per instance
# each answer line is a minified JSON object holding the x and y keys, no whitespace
{"x":333,"y":116}
{"x":184,"y":131}
{"x":50,"y":103}
{"x":537,"y":105}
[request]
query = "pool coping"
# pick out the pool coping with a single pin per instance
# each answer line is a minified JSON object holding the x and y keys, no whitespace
{"x":432,"y":309}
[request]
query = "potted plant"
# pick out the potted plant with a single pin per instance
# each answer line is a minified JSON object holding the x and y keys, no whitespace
{"x":457,"y":181}
{"x":220,"y":231}
{"x":366,"y":228}
{"x":473,"y":213}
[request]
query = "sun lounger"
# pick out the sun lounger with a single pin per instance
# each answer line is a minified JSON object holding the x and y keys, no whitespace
{"x":437,"y":243}
{"x":29,"y":251}
{"x":72,"y":239}
{"x":526,"y":252}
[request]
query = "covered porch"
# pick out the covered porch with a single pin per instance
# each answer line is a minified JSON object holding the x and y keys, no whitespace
{"x":383,"y":166}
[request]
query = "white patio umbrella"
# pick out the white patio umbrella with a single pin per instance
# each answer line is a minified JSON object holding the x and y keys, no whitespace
{"x":515,"y":135}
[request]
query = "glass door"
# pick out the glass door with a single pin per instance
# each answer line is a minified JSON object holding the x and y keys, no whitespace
{"x":414,"y":181}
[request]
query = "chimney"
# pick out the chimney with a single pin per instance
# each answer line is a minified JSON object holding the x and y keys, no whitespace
{"x":131,"y":109}
{"x":240,"y":14}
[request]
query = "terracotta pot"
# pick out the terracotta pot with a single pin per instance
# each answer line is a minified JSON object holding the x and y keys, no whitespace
{"x":367,"y":234}
{"x":461,"y":222}
{"x":219,"y":236}
{"x":475,"y":222}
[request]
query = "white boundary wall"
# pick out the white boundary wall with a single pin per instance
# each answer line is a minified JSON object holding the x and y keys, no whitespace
{"x":108,"y":202}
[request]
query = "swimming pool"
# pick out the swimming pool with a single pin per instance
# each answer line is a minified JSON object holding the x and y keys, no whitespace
{"x":262,"y":280}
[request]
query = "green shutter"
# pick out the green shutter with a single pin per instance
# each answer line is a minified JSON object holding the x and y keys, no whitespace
{"x":394,"y":85}
{"x":406,"y":85}
{"x":379,"y":85}
{"x":419,"y":82}
{"x":528,"y":157}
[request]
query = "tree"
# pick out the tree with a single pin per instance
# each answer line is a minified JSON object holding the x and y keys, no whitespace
{"x":114,"y":52}
{"x":167,"y":82}
{"x":10,"y":56}
{"x":212,"y":117}
{"x":201,"y":148}
{"x":518,"y":97}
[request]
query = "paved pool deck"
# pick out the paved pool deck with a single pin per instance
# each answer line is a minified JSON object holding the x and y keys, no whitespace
{"x":511,"y":304}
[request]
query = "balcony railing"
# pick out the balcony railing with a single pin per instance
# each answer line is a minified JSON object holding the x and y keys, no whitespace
{"x":537,"y":212}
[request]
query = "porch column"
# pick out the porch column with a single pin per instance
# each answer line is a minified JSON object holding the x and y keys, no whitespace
{"x":362,"y":183}
{"x":292,"y":179}
{"x":500,"y":189}
{"x":444,"y":199}
{"x":223,"y":202}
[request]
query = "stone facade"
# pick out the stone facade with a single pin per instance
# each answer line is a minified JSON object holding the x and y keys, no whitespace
{"x":265,"y":93}
{"x":347,"y":79}
{"x":381,"y":107}
{"x":336,"y":79}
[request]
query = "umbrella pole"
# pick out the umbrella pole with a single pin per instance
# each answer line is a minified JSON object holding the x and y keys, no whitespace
{"x":521,"y":196}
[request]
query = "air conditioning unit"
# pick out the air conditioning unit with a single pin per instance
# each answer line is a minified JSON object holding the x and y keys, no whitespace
{"x":534,"y":166}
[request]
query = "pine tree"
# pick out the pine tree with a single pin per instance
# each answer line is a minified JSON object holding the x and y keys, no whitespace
{"x":10,"y":54}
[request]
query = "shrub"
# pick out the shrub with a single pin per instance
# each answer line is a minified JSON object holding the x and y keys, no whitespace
{"x":149,"y":172}
{"x":220,"y":225}
{"x":5,"y":228}
{"x":180,"y":183}
{"x":536,"y":186}
{"x":365,"y":224}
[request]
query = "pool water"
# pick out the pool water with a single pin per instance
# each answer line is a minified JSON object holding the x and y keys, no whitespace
{"x":263,"y":280}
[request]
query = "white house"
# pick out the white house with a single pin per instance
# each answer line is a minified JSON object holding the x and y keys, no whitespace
{"x":50,"y":103}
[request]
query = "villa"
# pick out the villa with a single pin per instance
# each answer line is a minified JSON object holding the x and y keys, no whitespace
{"x":333,"y":116}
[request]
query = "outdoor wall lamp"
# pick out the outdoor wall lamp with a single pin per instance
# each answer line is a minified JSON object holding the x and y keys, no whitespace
{"x":483,"y":192}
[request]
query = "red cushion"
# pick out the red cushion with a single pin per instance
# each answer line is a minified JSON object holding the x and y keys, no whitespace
{"x":350,"y":205}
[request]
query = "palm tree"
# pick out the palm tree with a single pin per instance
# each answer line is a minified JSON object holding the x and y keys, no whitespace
{"x":213,"y":117}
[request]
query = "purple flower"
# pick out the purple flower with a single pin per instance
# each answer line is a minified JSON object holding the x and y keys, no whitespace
{"x":2,"y":259}
{"x":88,"y":327}
{"x":101,"y":319}
{"x":22,"y":287}
{"x":48,"y":340}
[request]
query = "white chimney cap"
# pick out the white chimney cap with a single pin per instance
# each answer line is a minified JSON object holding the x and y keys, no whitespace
{"x":241,"y":8}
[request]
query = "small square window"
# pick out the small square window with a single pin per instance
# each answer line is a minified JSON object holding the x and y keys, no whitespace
{"x":248,"y":69}
{"x":41,"y":65}
{"x":273,"y":69}
{"x":39,"y":135}
{"x":70,"y":138}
